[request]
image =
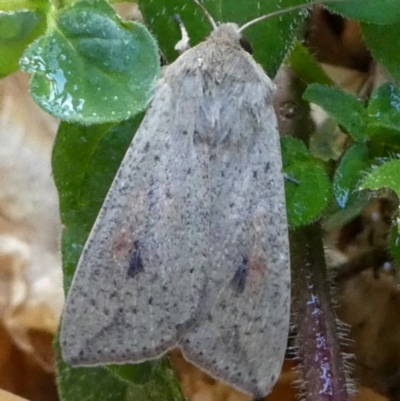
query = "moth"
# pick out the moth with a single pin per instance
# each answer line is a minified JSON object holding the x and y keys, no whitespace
{"x":190,"y":248}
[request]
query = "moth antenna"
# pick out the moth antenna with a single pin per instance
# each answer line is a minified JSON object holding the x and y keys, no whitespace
{"x":207,"y":14}
{"x":184,"y":43}
{"x":284,"y":11}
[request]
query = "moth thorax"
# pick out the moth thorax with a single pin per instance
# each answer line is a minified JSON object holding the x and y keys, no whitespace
{"x":227,"y":32}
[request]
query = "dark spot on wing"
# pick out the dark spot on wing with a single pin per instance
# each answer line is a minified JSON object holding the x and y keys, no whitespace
{"x":239,"y":279}
{"x":135,"y":263}
{"x":196,"y":137}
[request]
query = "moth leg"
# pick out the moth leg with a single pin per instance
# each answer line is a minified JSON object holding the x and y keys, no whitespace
{"x":289,"y":178}
{"x":184,"y":43}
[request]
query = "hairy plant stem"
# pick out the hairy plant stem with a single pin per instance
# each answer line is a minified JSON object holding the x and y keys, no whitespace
{"x":317,"y":340}
{"x":321,"y":368}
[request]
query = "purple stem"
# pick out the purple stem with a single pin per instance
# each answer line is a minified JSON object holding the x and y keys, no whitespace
{"x":321,"y":367}
{"x":322,"y":372}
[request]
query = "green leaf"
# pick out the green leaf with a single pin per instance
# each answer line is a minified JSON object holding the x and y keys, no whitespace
{"x":91,"y":67}
{"x":384,"y":110}
{"x":152,"y":380}
{"x":306,"y":66}
{"x":100,"y":383}
{"x":349,"y":173}
{"x":135,"y":373}
{"x":17,"y":31}
{"x":22,"y":5}
{"x":382,"y":41}
{"x":303,"y":206}
{"x":373,"y":11}
{"x":85,"y":161}
{"x":293,"y":148}
{"x":89,"y":384}
{"x":271,"y":39}
{"x":385,"y":176}
{"x":346,"y":109}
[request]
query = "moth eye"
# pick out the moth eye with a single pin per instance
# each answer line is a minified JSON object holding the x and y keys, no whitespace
{"x":246,"y":45}
{"x":163,"y":59}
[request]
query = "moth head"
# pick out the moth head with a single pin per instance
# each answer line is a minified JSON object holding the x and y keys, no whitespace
{"x":225,"y":32}
{"x":230,"y":32}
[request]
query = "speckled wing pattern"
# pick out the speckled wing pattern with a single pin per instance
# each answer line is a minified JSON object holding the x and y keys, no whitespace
{"x":141,"y":276}
{"x":241,"y":334}
{"x":191,"y":245}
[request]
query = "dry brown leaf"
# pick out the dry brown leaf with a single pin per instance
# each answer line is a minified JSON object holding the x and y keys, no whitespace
{"x":31,"y":295}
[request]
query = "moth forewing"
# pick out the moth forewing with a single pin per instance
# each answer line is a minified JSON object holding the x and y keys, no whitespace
{"x":191,"y":245}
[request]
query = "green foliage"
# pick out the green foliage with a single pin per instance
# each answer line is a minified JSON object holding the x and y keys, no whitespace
{"x":88,"y":66}
{"x":145,"y":382}
{"x":384,"y":114}
{"x":17,"y":31}
{"x":372,"y":11}
{"x":375,"y":132}
{"x":338,"y":103}
{"x":302,"y":205}
{"x":306,"y":66}
{"x":383,"y":43}
{"x":91,"y":67}
{"x":385,"y":176}
{"x":349,"y":173}
{"x":89,"y":384}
